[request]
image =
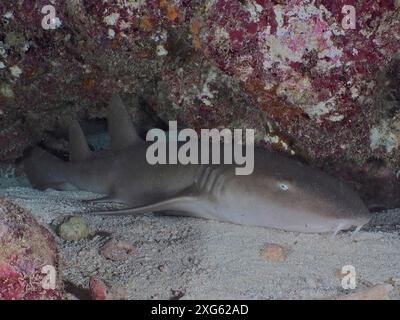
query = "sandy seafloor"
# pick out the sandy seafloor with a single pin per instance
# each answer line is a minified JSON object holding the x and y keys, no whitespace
{"x":212,"y":260}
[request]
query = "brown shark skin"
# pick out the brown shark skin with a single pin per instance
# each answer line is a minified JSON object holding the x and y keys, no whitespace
{"x":314,"y":201}
{"x":281,"y":193}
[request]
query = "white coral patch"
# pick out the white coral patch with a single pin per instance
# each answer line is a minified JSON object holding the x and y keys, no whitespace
{"x":161,"y":51}
{"x":271,"y":139}
{"x":111,"y":33}
{"x":3,"y":52}
{"x":276,"y":140}
{"x":336,"y":117}
{"x":254,"y":9}
{"x":131,"y":4}
{"x":6,"y":91}
{"x":123,"y":25}
{"x":297,"y":91}
{"x":305,"y":31}
{"x":385,"y":135}
{"x":206,"y":94}
{"x":322,"y":108}
{"x":8,"y":15}
{"x":15,"y":71}
{"x":57,"y":22}
{"x":112,"y":19}
{"x":354,"y":92}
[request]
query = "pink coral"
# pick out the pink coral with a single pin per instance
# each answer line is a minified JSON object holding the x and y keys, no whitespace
{"x":25,"y":248}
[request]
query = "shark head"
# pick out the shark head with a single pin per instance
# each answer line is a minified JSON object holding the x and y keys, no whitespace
{"x":286,"y":194}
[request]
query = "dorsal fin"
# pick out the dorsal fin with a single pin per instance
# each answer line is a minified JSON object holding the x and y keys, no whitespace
{"x":78,"y":147}
{"x":120,"y":126}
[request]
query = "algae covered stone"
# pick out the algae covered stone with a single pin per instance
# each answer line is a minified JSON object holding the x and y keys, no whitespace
{"x":74,"y":229}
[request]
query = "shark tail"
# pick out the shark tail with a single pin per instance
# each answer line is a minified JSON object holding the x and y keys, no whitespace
{"x":45,"y":170}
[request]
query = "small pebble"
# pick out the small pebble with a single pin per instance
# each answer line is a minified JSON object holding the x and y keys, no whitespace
{"x":274,"y":253}
{"x":74,"y":229}
{"x":394,"y":281}
{"x":98,"y":289}
{"x":177,"y":294}
{"x":312,"y":283}
{"x":117,"y":250}
{"x":378,"y":292}
{"x":162,"y":268}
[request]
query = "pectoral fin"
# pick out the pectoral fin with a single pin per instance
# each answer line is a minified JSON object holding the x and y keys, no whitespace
{"x":174,"y":204}
{"x":105,"y":199}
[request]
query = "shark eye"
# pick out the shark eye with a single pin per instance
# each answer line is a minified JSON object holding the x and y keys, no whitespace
{"x":283,"y":186}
